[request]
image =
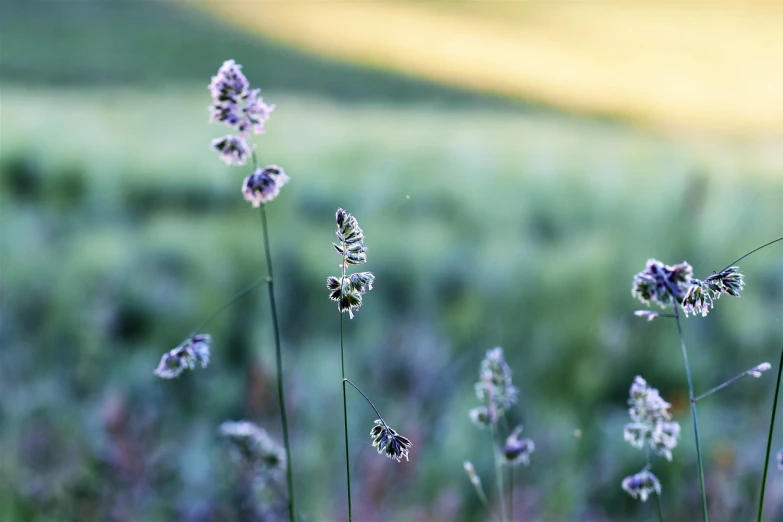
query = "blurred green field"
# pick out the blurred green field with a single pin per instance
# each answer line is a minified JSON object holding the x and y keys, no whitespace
{"x":488,"y":223}
{"x":121,"y":230}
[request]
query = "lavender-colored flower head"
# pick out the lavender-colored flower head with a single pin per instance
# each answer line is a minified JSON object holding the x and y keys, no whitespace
{"x":348,"y":289}
{"x":701,"y":296}
{"x":253,"y":445}
{"x":233,"y":149}
{"x":516,"y":450}
{"x":647,"y":314}
{"x":234,"y":103}
{"x":651,"y":422}
{"x":389,"y":442}
{"x":263,"y":185}
{"x":780,"y":460}
{"x":662,"y":284}
{"x":494,"y":387}
{"x":641,"y":485}
{"x":756,"y":371}
{"x":185,"y":356}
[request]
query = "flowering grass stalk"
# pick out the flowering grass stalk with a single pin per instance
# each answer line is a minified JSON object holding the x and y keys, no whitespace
{"x":348,"y":290}
{"x":235,"y":104}
{"x":497,"y":394}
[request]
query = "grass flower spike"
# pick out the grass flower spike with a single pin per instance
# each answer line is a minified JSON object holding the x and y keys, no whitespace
{"x":388,"y":442}
{"x":662,"y":284}
{"x":516,"y":450}
{"x":193,"y":350}
{"x":263,"y":185}
{"x":253,"y":445}
{"x":651,"y":421}
{"x":642,"y":485}
{"x":234,"y":103}
{"x":233,"y":150}
{"x":702,"y":295}
{"x":494,"y":387}
{"x":348,"y":289}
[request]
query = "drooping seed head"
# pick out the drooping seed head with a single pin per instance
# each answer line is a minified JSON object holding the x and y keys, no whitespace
{"x":388,"y":442}
{"x":193,"y":350}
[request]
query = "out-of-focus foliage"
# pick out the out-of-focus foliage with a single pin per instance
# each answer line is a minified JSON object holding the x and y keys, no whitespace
{"x":120,"y":231}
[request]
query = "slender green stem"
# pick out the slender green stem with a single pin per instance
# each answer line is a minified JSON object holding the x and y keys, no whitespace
{"x":693,"y":414}
{"x":242,"y":293}
{"x":723,"y":385}
{"x":512,"y":472}
{"x":658,"y":507}
{"x":278,"y":357}
{"x":368,"y":400}
{"x":498,"y":474}
{"x":751,"y":252}
{"x":769,"y":438}
{"x":345,"y":417}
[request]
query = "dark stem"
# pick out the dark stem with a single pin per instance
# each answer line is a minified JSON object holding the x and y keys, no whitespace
{"x":345,"y":416}
{"x":751,"y":252}
{"x":231,"y":301}
{"x":278,"y":357}
{"x":693,"y":414}
{"x":769,"y":438}
{"x":368,"y":400}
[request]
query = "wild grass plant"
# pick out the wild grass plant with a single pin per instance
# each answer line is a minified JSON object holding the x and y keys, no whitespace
{"x":675,"y":287}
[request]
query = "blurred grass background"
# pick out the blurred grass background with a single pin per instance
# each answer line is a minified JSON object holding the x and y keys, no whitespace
{"x":510,"y":221}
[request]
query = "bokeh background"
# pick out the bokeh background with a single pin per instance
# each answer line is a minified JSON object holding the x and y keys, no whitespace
{"x":513,"y":164}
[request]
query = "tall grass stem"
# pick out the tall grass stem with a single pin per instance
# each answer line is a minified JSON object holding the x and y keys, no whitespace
{"x":279,"y":361}
{"x":345,"y":417}
{"x":693,"y":414}
{"x":769,"y":438}
{"x":499,"y":474}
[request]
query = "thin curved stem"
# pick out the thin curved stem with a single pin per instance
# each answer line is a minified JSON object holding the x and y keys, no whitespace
{"x":345,"y":417}
{"x":228,"y":303}
{"x":723,"y":385}
{"x":368,"y":400}
{"x":769,"y":438}
{"x":693,"y":414}
{"x":279,"y":361}
{"x":751,"y":252}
